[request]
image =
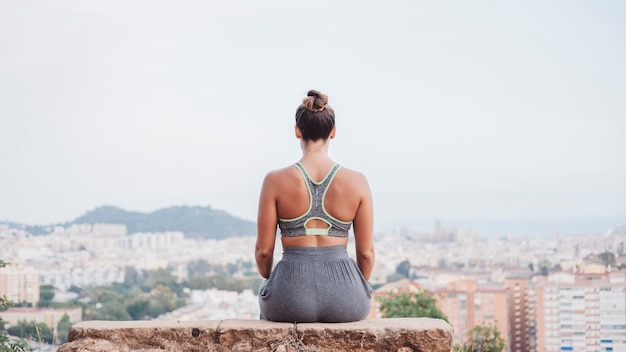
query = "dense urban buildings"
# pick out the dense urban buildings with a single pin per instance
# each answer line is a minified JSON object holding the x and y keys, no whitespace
{"x":583,"y":311}
{"x":558,"y":293}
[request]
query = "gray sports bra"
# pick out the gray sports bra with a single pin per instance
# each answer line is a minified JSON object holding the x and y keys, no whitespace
{"x":317,"y":192}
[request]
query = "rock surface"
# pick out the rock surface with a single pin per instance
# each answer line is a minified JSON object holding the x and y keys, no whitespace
{"x":398,"y":334}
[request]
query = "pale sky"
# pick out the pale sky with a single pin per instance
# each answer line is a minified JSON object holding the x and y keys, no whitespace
{"x":452,"y":109}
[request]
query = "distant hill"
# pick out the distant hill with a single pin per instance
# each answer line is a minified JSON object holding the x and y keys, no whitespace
{"x":194,"y":222}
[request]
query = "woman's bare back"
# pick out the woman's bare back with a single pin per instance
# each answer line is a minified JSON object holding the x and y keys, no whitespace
{"x":342,"y":200}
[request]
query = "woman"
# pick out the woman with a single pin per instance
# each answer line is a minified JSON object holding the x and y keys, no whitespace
{"x":314,"y":203}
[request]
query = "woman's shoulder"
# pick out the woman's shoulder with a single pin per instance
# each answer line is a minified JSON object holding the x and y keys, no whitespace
{"x":352,"y":176}
{"x":282,"y":174}
{"x":352,"y":173}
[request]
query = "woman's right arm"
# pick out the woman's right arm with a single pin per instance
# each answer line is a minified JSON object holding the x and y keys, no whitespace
{"x":267,"y":220}
{"x":364,"y":230}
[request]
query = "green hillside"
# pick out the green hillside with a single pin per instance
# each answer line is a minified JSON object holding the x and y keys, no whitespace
{"x":194,"y":222}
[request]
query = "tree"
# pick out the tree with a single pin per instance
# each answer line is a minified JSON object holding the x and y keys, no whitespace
{"x":164,"y":278}
{"x":404,"y":268}
{"x":231,"y":268}
{"x":111,"y":310}
{"x":165,"y":297}
{"x":199,"y":267}
{"x":138,"y":309}
{"x":544,"y":267}
{"x":483,"y":338}
{"x":46,"y":295}
{"x":32,"y":330}
{"x":157,"y":294}
{"x":131,"y":276}
{"x":394,"y":277}
{"x":6,"y":343}
{"x":247,"y":266}
{"x":410,"y":304}
{"x":608,"y":258}
{"x":198,"y":283}
{"x":63,"y":329}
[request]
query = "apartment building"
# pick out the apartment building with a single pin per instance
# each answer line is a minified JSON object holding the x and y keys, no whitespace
{"x":97,"y":275}
{"x":582,"y":312}
{"x":522,"y":314}
{"x":151,"y":241}
{"x":468,"y":304}
{"x":19,"y":284}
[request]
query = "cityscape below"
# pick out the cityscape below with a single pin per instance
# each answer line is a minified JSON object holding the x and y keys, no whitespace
{"x":544,"y":292}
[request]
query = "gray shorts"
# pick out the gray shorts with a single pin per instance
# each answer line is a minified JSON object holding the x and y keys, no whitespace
{"x":315,"y":284}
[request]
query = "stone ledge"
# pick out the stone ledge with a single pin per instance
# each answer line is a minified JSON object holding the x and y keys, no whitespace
{"x":397,"y":334}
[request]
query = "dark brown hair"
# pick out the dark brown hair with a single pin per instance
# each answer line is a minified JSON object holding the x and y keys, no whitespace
{"x":314,"y":117}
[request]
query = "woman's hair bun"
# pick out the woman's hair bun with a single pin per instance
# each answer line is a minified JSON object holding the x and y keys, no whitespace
{"x":314,"y":117}
{"x":313,"y":93}
{"x":315,"y":101}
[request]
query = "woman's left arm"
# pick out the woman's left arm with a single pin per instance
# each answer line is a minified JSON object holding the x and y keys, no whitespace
{"x":266,"y":226}
{"x":363,"y":229}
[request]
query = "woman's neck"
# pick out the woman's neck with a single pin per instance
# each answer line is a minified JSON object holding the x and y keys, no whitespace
{"x":315,"y":151}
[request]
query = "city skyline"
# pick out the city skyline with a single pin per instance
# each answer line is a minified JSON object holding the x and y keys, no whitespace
{"x":549,"y":288}
{"x":452,"y":110}
{"x":484,"y":227}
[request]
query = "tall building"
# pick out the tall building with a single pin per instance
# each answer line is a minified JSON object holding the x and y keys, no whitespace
{"x":19,"y":284}
{"x":467,"y":304}
{"x":521,"y":314}
{"x":582,"y":312}
{"x":531,"y":318}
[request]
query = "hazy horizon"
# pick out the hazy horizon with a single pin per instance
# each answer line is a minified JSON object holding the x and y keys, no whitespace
{"x":453,"y":110}
{"x":486,"y":227}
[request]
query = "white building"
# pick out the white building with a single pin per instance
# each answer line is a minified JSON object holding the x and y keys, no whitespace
{"x":19,"y":284}
{"x":63,"y":279}
{"x":151,"y":241}
{"x":582,"y":312}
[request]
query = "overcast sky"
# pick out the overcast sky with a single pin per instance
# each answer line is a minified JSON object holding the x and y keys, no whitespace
{"x":452,"y":109}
